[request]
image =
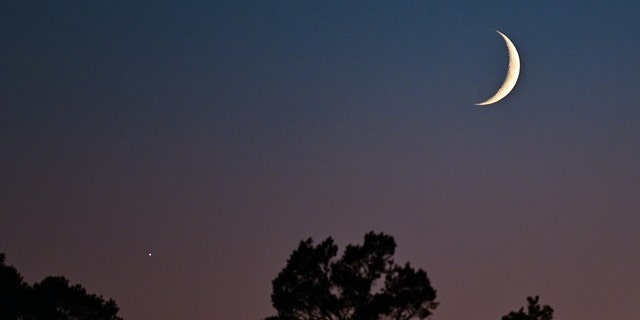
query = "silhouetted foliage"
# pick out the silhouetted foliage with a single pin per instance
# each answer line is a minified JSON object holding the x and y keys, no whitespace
{"x":13,"y":291}
{"x":314,"y":285}
{"x":51,"y":299}
{"x":534,"y":311}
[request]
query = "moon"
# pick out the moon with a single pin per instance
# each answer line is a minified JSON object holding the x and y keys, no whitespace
{"x":512,"y":74}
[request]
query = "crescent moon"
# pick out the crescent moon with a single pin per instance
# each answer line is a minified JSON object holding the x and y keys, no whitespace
{"x":512,"y":74}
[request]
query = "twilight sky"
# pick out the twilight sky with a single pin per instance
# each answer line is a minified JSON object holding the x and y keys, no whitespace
{"x":217,"y":135}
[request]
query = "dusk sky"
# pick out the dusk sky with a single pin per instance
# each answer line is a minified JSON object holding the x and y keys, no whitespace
{"x":218,"y":134}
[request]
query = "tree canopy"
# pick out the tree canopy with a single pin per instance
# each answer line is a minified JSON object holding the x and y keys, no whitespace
{"x":363,"y":284}
{"x":534,"y":311}
{"x":52,"y":299}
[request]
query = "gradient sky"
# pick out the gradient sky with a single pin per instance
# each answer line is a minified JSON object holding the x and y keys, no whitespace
{"x":217,"y":135}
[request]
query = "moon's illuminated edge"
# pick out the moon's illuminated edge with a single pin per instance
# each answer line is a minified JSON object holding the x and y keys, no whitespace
{"x":512,"y":74}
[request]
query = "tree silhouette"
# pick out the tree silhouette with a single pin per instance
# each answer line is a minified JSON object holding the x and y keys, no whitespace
{"x":51,"y":299}
{"x":13,"y":291}
{"x":316,"y":286}
{"x":534,"y":311}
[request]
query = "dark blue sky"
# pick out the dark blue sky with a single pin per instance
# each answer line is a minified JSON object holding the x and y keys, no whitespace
{"x":218,"y":135}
